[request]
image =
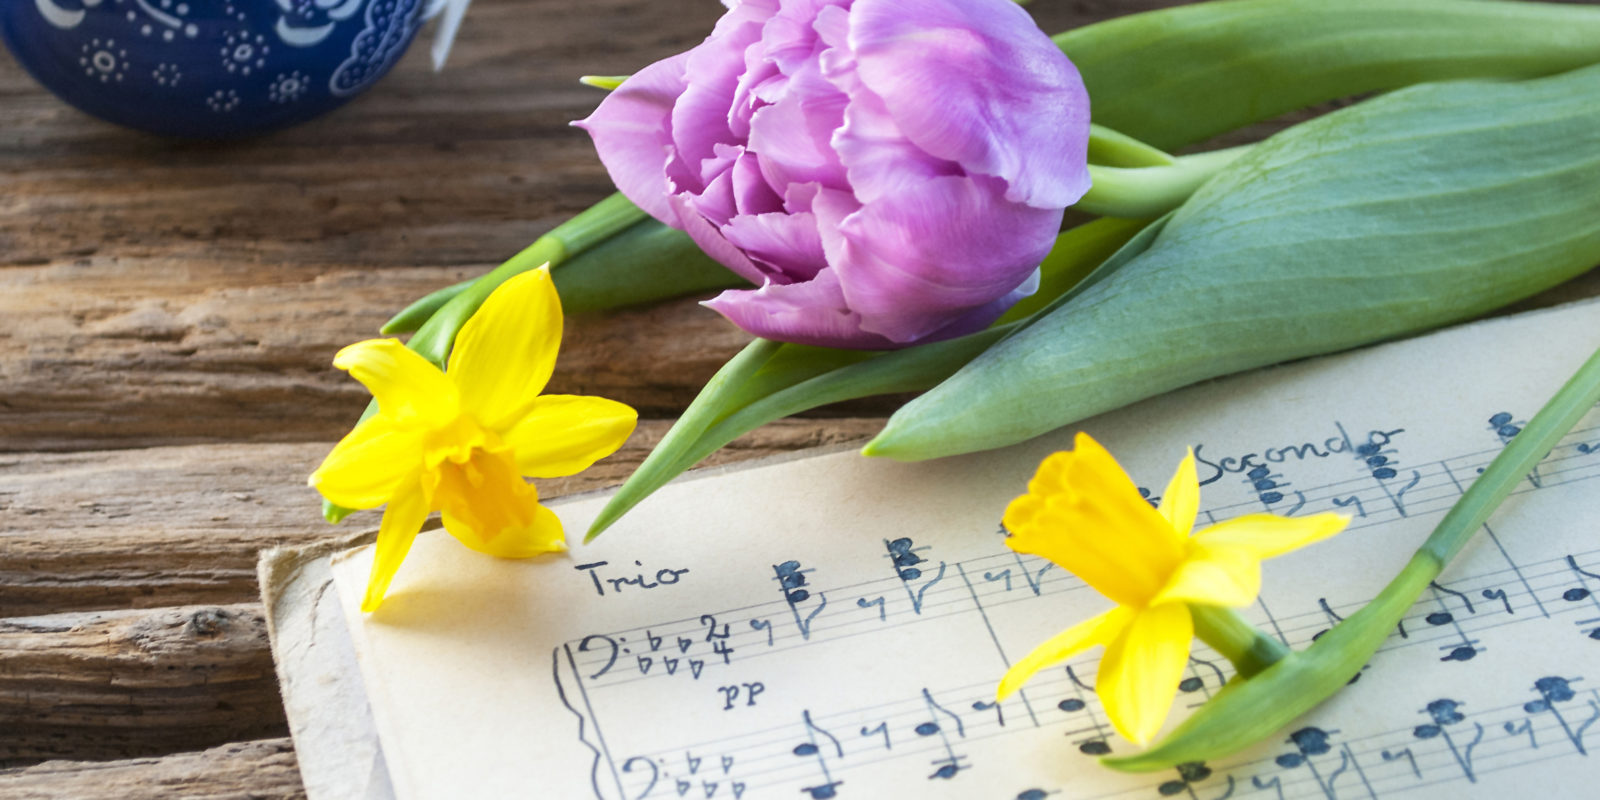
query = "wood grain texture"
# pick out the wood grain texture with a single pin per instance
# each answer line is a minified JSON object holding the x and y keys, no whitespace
{"x":113,"y":683}
{"x":168,"y":312}
{"x":182,"y":525}
{"x":133,"y":353}
{"x":156,"y":292}
{"x":253,"y":770}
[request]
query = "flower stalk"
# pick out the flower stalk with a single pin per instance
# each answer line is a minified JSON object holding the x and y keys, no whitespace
{"x":1143,"y":192}
{"x":1244,"y":645}
{"x":1252,"y":707}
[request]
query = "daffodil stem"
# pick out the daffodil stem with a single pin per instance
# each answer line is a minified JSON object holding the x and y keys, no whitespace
{"x":1247,"y":711}
{"x":1144,"y":192}
{"x":1504,"y":473}
{"x":1520,"y":456}
{"x":1249,"y":650}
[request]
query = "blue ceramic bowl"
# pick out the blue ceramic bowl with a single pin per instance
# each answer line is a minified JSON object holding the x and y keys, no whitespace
{"x":208,"y":68}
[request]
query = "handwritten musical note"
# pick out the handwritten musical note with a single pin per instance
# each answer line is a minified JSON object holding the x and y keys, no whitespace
{"x":843,"y":640}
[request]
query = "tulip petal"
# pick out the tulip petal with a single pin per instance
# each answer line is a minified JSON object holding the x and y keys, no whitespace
{"x":876,"y":154}
{"x":788,"y":242}
{"x":410,"y":390}
{"x":913,"y":260}
{"x":367,"y":466}
{"x":564,"y":434}
{"x":401,"y":521}
{"x":505,"y":353}
{"x":1180,"y":503}
{"x":792,"y":135}
{"x":629,"y":129}
{"x":700,"y":117}
{"x":1084,"y":513}
{"x":1229,"y":577}
{"x":1269,"y":536}
{"x":1101,"y":629}
{"x":714,"y":244}
{"x":751,"y":192}
{"x":1007,"y":104}
{"x":811,"y":313}
{"x":1140,"y":671}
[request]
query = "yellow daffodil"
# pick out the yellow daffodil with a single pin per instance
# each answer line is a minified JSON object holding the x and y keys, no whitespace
{"x":460,"y":441}
{"x":1084,"y":513}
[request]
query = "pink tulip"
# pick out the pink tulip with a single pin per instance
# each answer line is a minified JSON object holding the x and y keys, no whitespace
{"x":887,"y":171}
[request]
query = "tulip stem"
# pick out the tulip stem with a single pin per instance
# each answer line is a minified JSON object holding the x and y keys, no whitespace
{"x":1244,"y":645}
{"x":1145,"y":192}
{"x":1111,"y":148}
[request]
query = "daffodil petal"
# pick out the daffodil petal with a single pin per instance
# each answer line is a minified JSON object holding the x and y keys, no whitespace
{"x":367,"y":466}
{"x":1140,"y":670}
{"x":401,"y":521}
{"x":564,"y":434}
{"x":410,"y":390}
{"x":1097,"y":630}
{"x":491,"y":509}
{"x":1215,"y":576}
{"x":1084,"y":513}
{"x":1180,"y":503}
{"x":504,"y":355}
{"x":543,"y":534}
{"x":1268,"y":536}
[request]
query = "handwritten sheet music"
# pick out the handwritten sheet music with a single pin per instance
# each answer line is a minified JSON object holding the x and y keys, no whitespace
{"x":834,"y":626}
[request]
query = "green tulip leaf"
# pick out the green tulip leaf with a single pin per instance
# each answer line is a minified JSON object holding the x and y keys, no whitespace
{"x":1431,"y":205}
{"x":1182,"y":75}
{"x":768,"y":380}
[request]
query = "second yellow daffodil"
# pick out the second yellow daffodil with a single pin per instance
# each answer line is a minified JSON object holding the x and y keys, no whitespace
{"x":1085,"y":514}
{"x":460,"y":441}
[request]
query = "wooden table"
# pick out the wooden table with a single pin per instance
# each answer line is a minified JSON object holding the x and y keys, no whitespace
{"x":168,"y":312}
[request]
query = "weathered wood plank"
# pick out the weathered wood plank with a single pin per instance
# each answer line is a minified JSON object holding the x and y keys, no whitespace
{"x":118,"y":683}
{"x":134,"y":353}
{"x":182,"y":525}
{"x":254,"y":770}
{"x":156,"y":292}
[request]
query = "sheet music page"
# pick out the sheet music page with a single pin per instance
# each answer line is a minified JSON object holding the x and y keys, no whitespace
{"x":834,"y":626}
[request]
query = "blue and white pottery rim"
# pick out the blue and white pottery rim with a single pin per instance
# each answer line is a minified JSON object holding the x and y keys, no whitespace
{"x":209,"y":68}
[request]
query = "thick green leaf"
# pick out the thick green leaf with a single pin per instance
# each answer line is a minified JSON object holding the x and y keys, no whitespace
{"x":643,"y":264}
{"x":1182,"y":75}
{"x":1430,"y":205}
{"x":768,"y":381}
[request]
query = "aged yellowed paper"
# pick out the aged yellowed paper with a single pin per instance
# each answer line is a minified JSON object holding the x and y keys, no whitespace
{"x":833,"y":627}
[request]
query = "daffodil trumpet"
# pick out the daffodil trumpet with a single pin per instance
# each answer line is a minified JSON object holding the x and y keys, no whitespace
{"x":1253,"y":706}
{"x":463,"y":440}
{"x":1169,"y":583}
{"x":594,"y":245}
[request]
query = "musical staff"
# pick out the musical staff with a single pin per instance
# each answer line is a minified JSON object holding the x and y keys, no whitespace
{"x":919,"y":592}
{"x":835,"y":627}
{"x":927,"y":733}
